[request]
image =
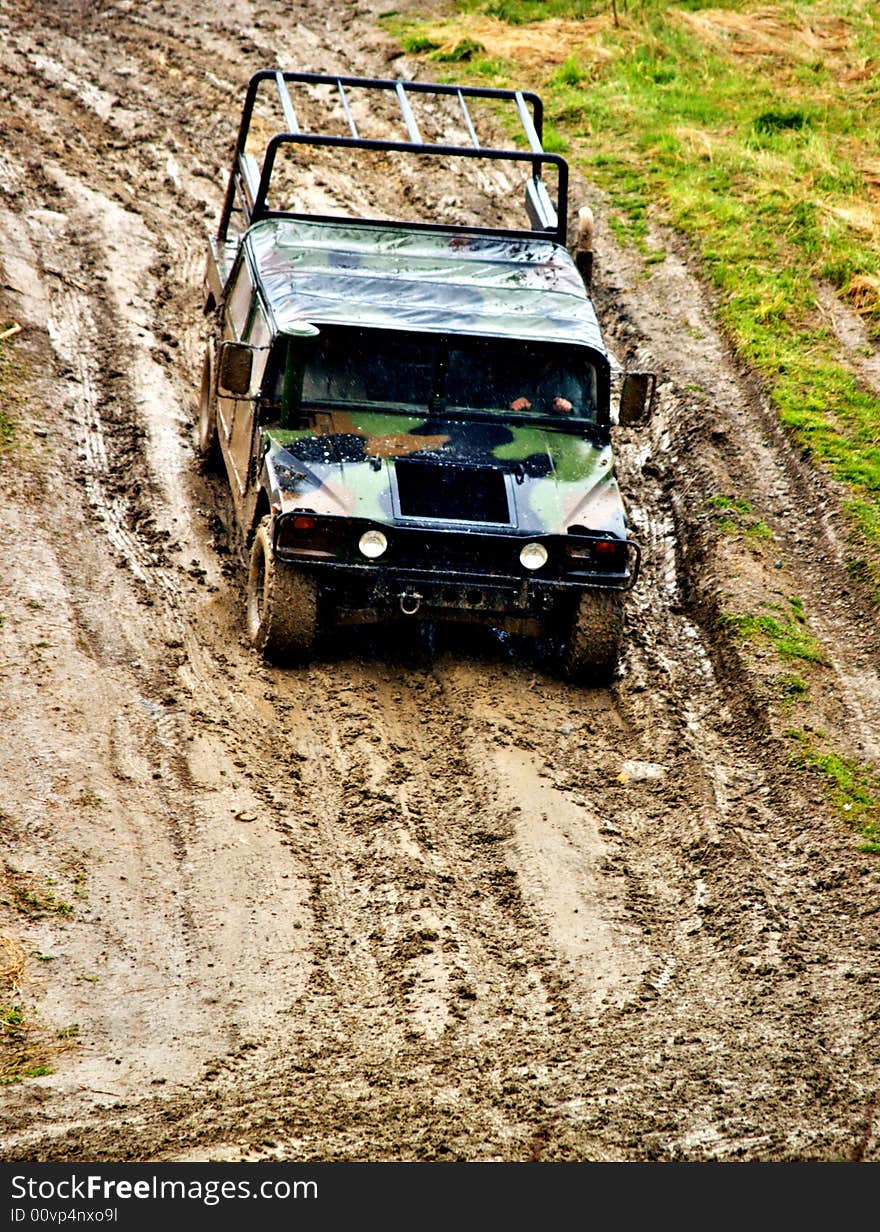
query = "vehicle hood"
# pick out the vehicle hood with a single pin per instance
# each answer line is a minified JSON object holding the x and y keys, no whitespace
{"x":525,"y":478}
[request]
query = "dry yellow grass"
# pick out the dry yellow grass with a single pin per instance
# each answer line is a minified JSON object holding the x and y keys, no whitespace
{"x":863,"y":292}
{"x":860,"y":216}
{"x":537,"y":46}
{"x":11,"y":964}
{"x":27,"y":1049}
{"x":765,"y":32}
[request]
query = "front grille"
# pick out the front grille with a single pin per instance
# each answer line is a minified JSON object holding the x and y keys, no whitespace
{"x":460,"y":553}
{"x":452,"y":493}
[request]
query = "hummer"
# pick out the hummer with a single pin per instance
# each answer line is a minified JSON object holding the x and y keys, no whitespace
{"x":414,"y":418}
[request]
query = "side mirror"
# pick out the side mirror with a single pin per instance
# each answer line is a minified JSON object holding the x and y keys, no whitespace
{"x":583,"y":245}
{"x":234,"y":373}
{"x":637,"y":398}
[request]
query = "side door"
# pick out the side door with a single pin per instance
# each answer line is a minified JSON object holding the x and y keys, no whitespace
{"x":257,"y":335}
{"x":236,"y":318}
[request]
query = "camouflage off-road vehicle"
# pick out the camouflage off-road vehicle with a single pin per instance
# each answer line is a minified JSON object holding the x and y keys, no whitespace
{"x":414,"y":417}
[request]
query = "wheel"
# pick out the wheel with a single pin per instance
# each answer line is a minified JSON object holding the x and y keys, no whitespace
{"x":209,"y":445}
{"x":592,"y":651}
{"x":282,"y":602}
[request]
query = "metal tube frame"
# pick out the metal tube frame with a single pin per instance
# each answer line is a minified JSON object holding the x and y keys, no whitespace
{"x":256,"y":208}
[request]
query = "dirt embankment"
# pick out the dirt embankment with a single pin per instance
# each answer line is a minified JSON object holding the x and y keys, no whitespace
{"x":397,"y":904}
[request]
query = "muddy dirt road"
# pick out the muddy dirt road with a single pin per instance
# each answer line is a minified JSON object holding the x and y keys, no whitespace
{"x":412,"y":901}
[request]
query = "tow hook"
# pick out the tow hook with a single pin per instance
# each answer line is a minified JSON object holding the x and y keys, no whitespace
{"x":410,"y":602}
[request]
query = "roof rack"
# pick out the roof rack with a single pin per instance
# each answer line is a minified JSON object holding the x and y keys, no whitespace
{"x":249,"y":182}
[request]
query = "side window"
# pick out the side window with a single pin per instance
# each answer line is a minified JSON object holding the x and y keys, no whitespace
{"x":258,"y":329}
{"x":258,"y":335}
{"x":238,"y":301}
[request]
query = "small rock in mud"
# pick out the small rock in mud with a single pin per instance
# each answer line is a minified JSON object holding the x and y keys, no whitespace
{"x":640,"y":771}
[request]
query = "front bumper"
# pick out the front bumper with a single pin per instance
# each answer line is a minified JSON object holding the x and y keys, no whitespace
{"x":426,"y":570}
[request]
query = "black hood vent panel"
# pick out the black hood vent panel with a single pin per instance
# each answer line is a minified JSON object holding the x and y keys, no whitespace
{"x":452,"y":493}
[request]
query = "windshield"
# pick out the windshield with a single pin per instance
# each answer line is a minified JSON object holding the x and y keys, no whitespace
{"x":520,"y":376}
{"x":353,"y":366}
{"x":430,"y":373}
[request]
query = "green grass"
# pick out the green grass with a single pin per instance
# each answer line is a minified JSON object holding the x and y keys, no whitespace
{"x":792,"y":686}
{"x":465,"y":49}
{"x":521,"y":12}
{"x":570,"y":73}
{"x":10,"y":383}
{"x":32,"y":900}
{"x":735,"y":516}
{"x":785,"y":630}
{"x":760,"y":145}
{"x":17,"y":1073}
{"x":853,"y":788}
{"x":22,"y":1053}
{"x":11,"y":1018}
{"x":418,"y":43}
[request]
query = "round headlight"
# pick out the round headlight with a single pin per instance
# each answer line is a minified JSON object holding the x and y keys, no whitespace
{"x":533,"y":556}
{"x":372,"y":543}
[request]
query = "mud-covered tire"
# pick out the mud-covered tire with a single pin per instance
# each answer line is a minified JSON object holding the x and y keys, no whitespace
{"x":209,"y":445}
{"x":282,"y":603}
{"x":591,"y":653}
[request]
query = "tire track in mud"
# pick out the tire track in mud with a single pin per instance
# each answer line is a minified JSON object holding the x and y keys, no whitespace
{"x":367,"y":819}
{"x":504,"y":979}
{"x":100,"y":326}
{"x":78,"y":339}
{"x":445,"y":916}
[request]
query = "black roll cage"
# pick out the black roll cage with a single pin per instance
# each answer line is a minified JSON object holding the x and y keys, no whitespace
{"x":249,"y":183}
